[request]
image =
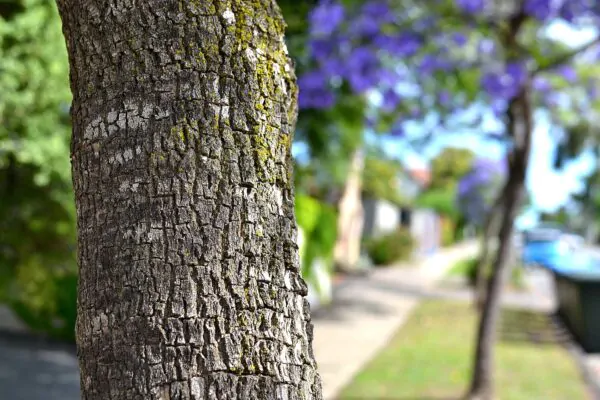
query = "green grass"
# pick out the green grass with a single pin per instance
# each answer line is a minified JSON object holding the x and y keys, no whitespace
{"x":430,"y":358}
{"x":462,"y":267}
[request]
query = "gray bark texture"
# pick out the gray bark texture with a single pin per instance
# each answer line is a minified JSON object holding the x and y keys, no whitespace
{"x":490,"y":234}
{"x":183,"y":116}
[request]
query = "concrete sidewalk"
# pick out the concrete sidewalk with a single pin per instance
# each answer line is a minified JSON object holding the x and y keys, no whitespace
{"x":367,"y":312}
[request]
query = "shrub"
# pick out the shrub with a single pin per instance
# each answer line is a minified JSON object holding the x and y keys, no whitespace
{"x":318,"y":222}
{"x":45,"y":298}
{"x":387,"y":249}
{"x":467,"y":269}
{"x":447,"y":230}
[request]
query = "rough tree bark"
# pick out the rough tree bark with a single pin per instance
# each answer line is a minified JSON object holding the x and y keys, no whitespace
{"x":183,"y":115}
{"x":490,"y":233}
{"x":520,"y":129}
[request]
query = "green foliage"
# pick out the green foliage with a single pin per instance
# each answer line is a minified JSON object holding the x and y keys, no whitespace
{"x":448,"y":167}
{"x":390,"y":248}
{"x":560,"y":216}
{"x":448,"y":231}
{"x":37,"y":213}
{"x":442,"y":201}
{"x":380,"y":179}
{"x":319,"y":224}
{"x":332,"y":136}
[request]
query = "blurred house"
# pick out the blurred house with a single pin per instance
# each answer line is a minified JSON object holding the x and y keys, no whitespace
{"x":381,"y":216}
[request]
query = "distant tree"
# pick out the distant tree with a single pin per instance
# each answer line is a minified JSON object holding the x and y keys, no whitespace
{"x":449,"y":167}
{"x":479,"y":199}
{"x":381,"y":178}
{"x":38,"y":271}
{"x":479,"y":188}
{"x":447,"y":60}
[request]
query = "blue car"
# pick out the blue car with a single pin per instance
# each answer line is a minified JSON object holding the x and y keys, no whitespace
{"x":545,"y":247}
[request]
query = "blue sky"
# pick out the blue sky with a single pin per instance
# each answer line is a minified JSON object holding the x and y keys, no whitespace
{"x":549,"y":188}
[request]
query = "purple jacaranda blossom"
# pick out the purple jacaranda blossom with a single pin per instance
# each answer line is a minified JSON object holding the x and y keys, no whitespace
{"x":444,"y":97}
{"x":325,"y":18}
{"x":315,"y":91}
{"x":390,"y":99}
{"x":541,"y":84}
{"x":477,"y":189}
{"x":378,"y":10}
{"x":431,"y":63}
{"x":542,"y":9}
{"x":574,"y":9}
{"x":415,"y":112}
{"x":397,"y":130}
{"x":425,"y":23}
{"x":568,"y":73}
{"x":363,"y":69}
{"x":499,"y":107}
{"x":592,"y":90}
{"x":373,"y":15}
{"x":459,"y":38}
{"x":322,"y":48}
{"x":370,"y":121}
{"x":486,"y":46}
{"x":334,"y":67}
{"x":389,"y":77}
{"x":471,"y":6}
{"x":505,"y":84}
{"x":400,"y":45}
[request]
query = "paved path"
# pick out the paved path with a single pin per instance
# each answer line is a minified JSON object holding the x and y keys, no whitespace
{"x":368,"y":311}
{"x":36,"y":369}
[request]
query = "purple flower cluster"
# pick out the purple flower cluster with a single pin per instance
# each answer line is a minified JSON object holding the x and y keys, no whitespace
{"x":477,"y":189}
{"x":325,"y":18}
{"x":505,"y":83}
{"x":568,"y":10}
{"x":471,"y":6}
{"x":349,"y":47}
{"x":542,"y":10}
{"x":362,"y":49}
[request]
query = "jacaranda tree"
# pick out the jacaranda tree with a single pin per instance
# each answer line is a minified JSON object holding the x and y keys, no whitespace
{"x":457,"y":62}
{"x":478,"y":199}
{"x":478,"y":189}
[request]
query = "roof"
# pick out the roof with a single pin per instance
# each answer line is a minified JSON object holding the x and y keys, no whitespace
{"x":421,"y":176}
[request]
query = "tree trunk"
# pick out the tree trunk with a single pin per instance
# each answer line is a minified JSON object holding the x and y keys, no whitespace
{"x":189,"y":288}
{"x":490,"y":232}
{"x":350,"y":219}
{"x":520,"y":129}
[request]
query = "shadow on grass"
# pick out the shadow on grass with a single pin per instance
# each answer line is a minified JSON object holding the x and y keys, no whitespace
{"x":531,"y":327}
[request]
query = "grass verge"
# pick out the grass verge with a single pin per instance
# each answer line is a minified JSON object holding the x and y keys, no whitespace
{"x":430,"y":358}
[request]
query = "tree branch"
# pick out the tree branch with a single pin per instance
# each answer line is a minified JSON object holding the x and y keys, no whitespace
{"x":566,"y":57}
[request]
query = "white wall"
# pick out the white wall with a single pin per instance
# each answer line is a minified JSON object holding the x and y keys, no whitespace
{"x":381,"y":217}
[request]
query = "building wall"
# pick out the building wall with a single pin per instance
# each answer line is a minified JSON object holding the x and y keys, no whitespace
{"x":425,"y":226}
{"x":381,"y":217}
